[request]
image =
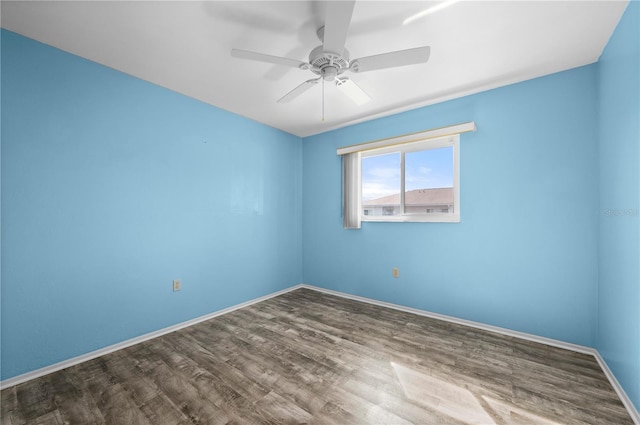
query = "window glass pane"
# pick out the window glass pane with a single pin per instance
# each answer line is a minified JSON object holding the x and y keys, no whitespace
{"x":429,"y":181}
{"x":381,"y":185}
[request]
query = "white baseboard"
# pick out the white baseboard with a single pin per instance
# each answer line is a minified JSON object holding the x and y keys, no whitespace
{"x":133,"y":341}
{"x":633,"y":412}
{"x":619,"y":390}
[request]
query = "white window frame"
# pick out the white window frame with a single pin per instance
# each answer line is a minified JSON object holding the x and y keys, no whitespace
{"x":352,"y":172}
{"x":442,"y":142}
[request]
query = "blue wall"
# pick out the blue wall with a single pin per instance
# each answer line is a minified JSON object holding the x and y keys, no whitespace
{"x":111,"y":188}
{"x":524,"y":255}
{"x":619,"y":243}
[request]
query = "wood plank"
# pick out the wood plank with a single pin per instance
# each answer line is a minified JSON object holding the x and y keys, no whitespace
{"x":76,"y":406}
{"x":35,"y":398}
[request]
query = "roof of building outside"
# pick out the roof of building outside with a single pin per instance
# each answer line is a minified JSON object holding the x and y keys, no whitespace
{"x":417,"y":197}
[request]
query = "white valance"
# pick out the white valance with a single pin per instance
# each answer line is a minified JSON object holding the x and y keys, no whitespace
{"x":408,"y":138}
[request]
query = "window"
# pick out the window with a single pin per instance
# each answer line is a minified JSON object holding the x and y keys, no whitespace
{"x":413,"y":177}
{"x":411,"y":182}
{"x":389,"y":211}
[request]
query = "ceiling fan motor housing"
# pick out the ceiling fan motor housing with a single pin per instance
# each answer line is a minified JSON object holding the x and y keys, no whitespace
{"x":327,"y":64}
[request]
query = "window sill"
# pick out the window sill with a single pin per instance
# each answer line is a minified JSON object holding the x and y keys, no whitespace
{"x":431,"y":218}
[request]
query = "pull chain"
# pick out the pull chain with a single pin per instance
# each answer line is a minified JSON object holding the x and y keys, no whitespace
{"x":323,"y":100}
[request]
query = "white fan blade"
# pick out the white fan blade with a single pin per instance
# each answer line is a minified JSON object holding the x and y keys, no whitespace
{"x":336,"y":25}
{"x":298,"y":90}
{"x":244,"y":54}
{"x":353,"y":91}
{"x":391,"y":59}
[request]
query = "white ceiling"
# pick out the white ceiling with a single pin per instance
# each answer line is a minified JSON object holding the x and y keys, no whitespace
{"x":185,"y":46}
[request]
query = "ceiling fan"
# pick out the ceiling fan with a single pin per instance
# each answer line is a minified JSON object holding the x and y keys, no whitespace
{"x":331,"y":59}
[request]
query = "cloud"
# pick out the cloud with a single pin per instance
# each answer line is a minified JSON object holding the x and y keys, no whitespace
{"x":384,"y":172}
{"x":418,"y":180}
{"x":373,"y":190}
{"x":379,"y":181}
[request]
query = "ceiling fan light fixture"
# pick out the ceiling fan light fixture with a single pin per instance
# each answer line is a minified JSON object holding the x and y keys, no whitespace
{"x":329,"y":73}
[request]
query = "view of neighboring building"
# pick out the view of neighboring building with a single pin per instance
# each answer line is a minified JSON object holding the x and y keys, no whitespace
{"x":418,"y":201}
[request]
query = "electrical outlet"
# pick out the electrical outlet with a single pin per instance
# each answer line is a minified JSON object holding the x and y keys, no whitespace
{"x":177,"y":285}
{"x":396,"y":272}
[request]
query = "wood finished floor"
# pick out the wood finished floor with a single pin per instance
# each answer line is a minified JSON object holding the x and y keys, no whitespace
{"x":308,"y":357}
